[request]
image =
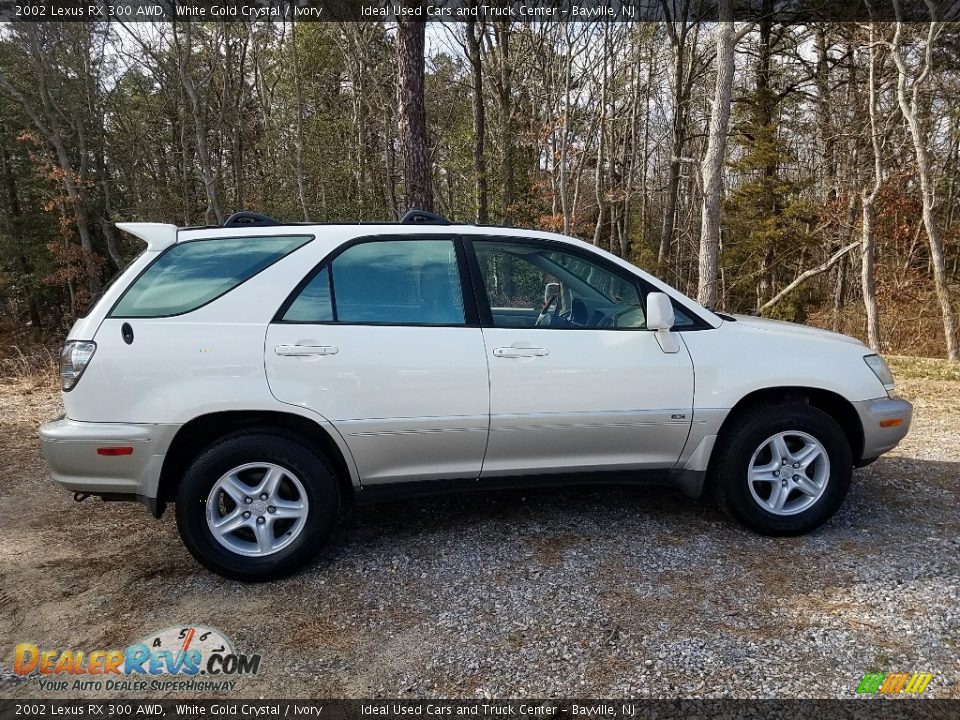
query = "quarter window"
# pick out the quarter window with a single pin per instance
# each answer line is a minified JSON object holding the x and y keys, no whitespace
{"x":313,"y":304}
{"x":195,"y":273}
{"x":388,"y":282}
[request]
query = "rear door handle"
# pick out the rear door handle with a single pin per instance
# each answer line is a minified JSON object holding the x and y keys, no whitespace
{"x":305,"y":350}
{"x":520,"y":352}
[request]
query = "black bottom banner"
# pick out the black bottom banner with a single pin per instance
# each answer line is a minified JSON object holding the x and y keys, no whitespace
{"x":857,"y":709}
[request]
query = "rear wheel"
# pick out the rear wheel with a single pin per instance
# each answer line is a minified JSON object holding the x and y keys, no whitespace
{"x":784,"y":470}
{"x":256,"y":506}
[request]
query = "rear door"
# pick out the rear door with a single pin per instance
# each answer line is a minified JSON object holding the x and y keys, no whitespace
{"x":380,"y":340}
{"x":577,"y":382}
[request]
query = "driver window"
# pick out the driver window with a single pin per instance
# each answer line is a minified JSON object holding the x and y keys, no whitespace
{"x":534,"y":285}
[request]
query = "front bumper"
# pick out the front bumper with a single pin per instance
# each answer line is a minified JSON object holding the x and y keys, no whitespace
{"x":885,"y":422}
{"x":70,"y":448}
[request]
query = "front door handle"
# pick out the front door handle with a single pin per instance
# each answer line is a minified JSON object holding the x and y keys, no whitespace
{"x":520,"y":352}
{"x":305,"y":350}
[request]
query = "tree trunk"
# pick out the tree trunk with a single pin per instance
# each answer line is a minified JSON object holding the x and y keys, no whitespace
{"x":713,"y":160}
{"x":677,"y":137}
{"x":565,"y":131}
{"x":598,"y":188}
{"x":823,"y":109}
{"x":839,"y":295}
{"x":645,"y":153}
{"x":867,"y":275}
{"x":479,"y":122}
{"x":908,"y":106}
{"x":417,"y":178}
{"x":14,"y":226}
{"x":298,"y":136}
{"x":868,"y":282}
{"x":505,"y":92}
{"x":200,"y":132}
{"x":840,"y":281}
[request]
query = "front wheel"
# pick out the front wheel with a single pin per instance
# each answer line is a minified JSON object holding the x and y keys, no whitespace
{"x":784,"y":470}
{"x":256,"y":506}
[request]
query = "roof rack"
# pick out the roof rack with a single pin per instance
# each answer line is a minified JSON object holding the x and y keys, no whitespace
{"x":422,"y":217}
{"x":245,"y":218}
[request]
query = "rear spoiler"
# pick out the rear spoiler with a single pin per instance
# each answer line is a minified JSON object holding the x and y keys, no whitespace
{"x":157,"y":236}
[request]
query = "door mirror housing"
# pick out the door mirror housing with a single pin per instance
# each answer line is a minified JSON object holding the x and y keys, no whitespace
{"x":659,"y":311}
{"x":660,"y":318}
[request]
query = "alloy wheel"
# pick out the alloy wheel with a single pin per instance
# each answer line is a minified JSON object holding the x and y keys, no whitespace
{"x":789,"y":472}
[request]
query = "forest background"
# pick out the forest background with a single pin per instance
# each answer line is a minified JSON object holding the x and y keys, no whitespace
{"x":807,"y":172}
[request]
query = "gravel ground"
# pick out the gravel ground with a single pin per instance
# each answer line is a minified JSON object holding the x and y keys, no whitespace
{"x":574,"y":592}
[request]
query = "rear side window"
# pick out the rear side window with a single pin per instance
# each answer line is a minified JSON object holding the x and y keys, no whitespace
{"x":193,"y":274}
{"x":395,"y":282}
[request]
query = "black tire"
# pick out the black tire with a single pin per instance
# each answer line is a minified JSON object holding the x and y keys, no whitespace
{"x":318,"y":482}
{"x":739,"y":443}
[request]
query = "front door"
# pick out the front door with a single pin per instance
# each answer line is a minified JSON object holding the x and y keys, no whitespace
{"x":378,"y":342}
{"x":577,"y":382}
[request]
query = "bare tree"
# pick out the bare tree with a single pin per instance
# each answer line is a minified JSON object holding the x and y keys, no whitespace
{"x":807,"y":274}
{"x":598,"y":184}
{"x":503,"y":82}
{"x":473,"y":33}
{"x":868,"y":198}
{"x":685,"y":70}
{"x":298,"y":130}
{"x":417,"y":178}
{"x":712,"y":167}
{"x":910,"y":106}
{"x":184,"y":53}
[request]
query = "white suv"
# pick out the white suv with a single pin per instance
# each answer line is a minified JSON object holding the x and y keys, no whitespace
{"x":261,"y":375}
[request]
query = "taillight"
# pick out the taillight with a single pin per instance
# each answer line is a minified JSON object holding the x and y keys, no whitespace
{"x":74,"y":359}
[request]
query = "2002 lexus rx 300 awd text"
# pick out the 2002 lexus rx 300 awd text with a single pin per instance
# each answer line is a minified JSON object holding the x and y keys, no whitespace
{"x":260,"y":375}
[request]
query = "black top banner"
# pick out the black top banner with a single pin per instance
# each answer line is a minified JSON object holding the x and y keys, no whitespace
{"x":779,"y":11}
{"x":539,"y":709}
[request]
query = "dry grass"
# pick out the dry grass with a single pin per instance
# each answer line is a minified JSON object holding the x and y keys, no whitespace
{"x":921,"y":368}
{"x":911,"y":325}
{"x":37,"y":365}
{"x":322,"y":633}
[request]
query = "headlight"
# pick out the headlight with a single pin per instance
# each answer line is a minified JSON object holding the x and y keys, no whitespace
{"x":880,"y":369}
{"x":74,"y":359}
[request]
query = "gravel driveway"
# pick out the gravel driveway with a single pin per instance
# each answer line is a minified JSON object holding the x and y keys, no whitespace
{"x":586,"y":593}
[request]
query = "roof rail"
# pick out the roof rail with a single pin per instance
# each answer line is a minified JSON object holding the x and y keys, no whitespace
{"x":245,"y":218}
{"x":422,"y":217}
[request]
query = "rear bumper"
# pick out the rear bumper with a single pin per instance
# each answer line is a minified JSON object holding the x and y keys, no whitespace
{"x":70,"y":448}
{"x":885,"y":422}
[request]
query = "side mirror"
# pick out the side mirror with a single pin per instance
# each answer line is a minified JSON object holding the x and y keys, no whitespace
{"x":660,"y":318}
{"x":659,"y":311}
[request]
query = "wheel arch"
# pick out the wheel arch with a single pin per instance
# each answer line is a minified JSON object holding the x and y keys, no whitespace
{"x":202,"y":431}
{"x":833,"y":404}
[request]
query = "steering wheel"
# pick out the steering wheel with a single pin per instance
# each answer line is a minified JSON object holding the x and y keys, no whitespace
{"x":546,"y":316}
